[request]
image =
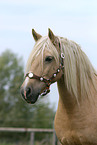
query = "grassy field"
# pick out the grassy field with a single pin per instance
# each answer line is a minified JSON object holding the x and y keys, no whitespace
{"x":15,"y":144}
{"x":4,"y":143}
{"x":21,"y":143}
{"x":37,"y":143}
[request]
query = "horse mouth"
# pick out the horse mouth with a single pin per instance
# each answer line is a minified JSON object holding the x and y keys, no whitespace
{"x":32,"y":98}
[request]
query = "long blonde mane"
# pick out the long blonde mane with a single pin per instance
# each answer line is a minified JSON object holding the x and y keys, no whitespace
{"x":77,"y":67}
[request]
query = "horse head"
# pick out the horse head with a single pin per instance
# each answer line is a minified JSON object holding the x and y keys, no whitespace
{"x":44,"y":67}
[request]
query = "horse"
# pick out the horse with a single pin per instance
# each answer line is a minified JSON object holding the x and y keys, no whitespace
{"x":58,"y":59}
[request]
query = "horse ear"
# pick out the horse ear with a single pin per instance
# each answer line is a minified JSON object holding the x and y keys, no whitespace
{"x":54,"y":39}
{"x":36,"y":35}
{"x":51,"y":35}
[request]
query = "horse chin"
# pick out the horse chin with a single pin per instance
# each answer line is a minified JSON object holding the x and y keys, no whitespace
{"x":31,"y":99}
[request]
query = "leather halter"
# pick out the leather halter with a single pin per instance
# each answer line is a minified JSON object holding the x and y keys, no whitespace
{"x":48,"y":82}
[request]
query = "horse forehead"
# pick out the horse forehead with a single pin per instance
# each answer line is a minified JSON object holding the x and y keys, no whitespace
{"x":47,"y":51}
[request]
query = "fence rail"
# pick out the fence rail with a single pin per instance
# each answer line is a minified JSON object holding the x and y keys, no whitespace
{"x":12,"y":129}
{"x":31,"y":131}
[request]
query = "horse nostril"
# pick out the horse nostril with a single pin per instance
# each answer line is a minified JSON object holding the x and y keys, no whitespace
{"x":28,"y":91}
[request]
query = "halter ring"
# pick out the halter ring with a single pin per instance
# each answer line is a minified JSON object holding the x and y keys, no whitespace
{"x":62,"y":55}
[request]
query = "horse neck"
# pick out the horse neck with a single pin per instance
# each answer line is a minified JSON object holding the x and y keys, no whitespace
{"x":66,"y":100}
{"x":69,"y":102}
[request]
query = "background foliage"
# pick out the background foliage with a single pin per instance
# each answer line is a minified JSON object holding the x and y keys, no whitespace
{"x":14,"y":111}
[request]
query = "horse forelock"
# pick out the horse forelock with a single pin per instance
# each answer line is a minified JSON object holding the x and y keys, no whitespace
{"x":40,"y":46}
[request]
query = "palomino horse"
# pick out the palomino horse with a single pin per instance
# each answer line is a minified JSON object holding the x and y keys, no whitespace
{"x":57,"y":59}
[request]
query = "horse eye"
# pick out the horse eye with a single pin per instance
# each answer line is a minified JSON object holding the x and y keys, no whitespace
{"x":49,"y":59}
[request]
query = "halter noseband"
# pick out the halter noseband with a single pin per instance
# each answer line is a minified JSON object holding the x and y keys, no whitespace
{"x":48,"y":82}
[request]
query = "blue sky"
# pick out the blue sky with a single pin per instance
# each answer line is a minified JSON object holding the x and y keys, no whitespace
{"x":74,"y":19}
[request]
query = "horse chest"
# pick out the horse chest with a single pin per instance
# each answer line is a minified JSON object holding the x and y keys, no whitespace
{"x":79,"y":129}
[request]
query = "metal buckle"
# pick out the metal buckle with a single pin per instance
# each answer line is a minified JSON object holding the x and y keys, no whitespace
{"x":62,"y":55}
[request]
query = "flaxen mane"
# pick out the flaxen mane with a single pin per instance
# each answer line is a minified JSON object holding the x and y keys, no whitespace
{"x":77,"y":66}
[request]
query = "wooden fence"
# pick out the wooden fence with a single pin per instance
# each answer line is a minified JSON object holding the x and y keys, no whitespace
{"x":31,"y":131}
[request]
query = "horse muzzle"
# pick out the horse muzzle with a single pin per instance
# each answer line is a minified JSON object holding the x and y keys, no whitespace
{"x":29,"y":95}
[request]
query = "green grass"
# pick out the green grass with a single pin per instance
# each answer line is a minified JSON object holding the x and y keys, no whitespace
{"x":6,"y":144}
{"x":16,"y":144}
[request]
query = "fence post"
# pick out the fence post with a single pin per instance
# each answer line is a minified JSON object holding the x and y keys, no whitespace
{"x":32,"y":138}
{"x":54,"y":138}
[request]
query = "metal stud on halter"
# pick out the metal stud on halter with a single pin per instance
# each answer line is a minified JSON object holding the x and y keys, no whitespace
{"x":41,"y":79}
{"x":58,"y":70}
{"x":30,"y":75}
{"x":55,"y":75}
